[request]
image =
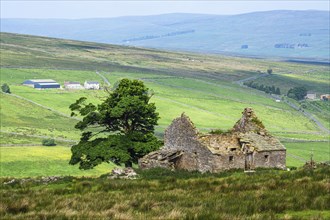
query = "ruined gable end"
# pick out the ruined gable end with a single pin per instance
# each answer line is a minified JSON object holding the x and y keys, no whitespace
{"x":249,"y":122}
{"x":180,"y":132}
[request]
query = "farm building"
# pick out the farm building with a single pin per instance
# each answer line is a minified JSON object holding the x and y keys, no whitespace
{"x":310,"y":96}
{"x":73,"y":85}
{"x":42,"y":83}
{"x":247,"y":146}
{"x":325,"y":97}
{"x":91,"y":85}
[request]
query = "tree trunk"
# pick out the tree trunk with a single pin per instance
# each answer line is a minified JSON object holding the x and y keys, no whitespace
{"x":128,"y":164}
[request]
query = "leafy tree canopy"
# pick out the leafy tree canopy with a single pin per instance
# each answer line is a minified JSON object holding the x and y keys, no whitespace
{"x":128,"y":119}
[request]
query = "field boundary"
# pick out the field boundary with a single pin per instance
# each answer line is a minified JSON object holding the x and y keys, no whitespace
{"x":38,"y":136}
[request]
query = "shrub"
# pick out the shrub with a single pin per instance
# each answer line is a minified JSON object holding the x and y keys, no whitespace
{"x":219,"y":131}
{"x":48,"y":142}
{"x":5,"y":88}
{"x":258,"y":122}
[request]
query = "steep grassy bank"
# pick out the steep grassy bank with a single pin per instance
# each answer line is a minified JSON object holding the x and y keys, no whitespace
{"x":161,"y":194}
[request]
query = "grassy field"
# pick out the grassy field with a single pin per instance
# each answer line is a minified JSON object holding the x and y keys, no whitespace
{"x":317,"y":83}
{"x":34,"y":161}
{"x":304,"y":150}
{"x":161,"y":194}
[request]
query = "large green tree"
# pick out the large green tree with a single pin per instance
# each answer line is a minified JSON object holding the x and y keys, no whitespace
{"x":128,"y":120}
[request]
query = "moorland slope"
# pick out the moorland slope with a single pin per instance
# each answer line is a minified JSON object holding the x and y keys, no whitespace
{"x":290,"y":34}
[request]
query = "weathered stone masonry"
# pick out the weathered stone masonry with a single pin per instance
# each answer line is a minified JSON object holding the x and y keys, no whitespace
{"x":247,"y":146}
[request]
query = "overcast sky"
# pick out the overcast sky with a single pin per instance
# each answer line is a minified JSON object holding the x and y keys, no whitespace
{"x":94,"y":9}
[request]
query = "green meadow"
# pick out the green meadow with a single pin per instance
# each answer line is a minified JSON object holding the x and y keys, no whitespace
{"x":299,"y":153}
{"x":36,"y":161}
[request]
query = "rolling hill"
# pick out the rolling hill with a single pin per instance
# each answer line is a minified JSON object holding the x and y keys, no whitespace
{"x":286,"y":34}
{"x":205,"y":87}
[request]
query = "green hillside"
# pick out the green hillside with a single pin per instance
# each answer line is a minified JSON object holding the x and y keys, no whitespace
{"x":202,"y":86}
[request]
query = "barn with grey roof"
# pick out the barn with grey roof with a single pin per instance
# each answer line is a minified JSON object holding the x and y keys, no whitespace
{"x":42,"y":83}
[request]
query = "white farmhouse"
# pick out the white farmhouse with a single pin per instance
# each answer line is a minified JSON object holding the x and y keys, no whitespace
{"x":310,"y":96}
{"x":73,"y":85}
{"x":91,"y":85}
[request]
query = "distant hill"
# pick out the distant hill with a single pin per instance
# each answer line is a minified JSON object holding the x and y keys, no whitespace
{"x":288,"y":34}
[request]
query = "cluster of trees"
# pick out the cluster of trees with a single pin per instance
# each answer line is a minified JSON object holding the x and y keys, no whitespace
{"x":297,"y":93}
{"x":119,"y":130}
{"x":261,"y":87}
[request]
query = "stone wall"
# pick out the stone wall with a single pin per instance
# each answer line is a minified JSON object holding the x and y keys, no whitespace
{"x":180,"y":134}
{"x":268,"y":159}
{"x":228,"y":161}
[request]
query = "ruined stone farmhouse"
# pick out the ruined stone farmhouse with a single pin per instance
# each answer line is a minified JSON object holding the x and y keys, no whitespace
{"x":247,"y":145}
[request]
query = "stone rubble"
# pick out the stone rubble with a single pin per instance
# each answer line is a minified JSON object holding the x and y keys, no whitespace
{"x":126,"y":173}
